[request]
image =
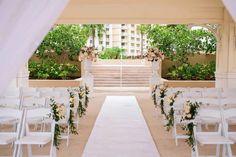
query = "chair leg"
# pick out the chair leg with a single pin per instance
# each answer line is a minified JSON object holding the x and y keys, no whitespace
{"x":229,"y":151}
{"x":217,"y":150}
{"x":224,"y":151}
{"x":29,"y":147}
{"x":175,"y":135}
{"x":196,"y":150}
{"x":68,"y":135}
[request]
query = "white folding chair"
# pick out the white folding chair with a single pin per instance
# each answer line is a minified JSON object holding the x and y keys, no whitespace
{"x":229,"y":119}
{"x":10,"y":103}
{"x":211,"y":93}
{"x":28,"y":89}
{"x":39,"y":137}
{"x":33,"y":102}
{"x":178,"y":107}
{"x":228,"y":92}
{"x":44,"y":89}
{"x":12,"y":93}
{"x":210,"y":137}
{"x":65,"y":101}
{"x":11,"y":117}
{"x":63,"y":91}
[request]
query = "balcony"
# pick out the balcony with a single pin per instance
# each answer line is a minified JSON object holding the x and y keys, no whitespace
{"x":124,"y":27}
{"x":124,"y":40}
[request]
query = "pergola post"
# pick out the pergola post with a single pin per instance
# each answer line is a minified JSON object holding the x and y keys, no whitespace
{"x":226,"y":53}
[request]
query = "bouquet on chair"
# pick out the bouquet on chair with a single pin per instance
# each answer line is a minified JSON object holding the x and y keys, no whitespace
{"x":88,"y":53}
{"x":154,"y":54}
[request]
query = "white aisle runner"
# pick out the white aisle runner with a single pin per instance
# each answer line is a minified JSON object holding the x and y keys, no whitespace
{"x":120,"y":131}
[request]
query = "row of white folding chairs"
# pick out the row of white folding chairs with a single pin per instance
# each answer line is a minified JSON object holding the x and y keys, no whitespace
{"x":209,"y":103}
{"x":35,"y":102}
{"x":204,"y":92}
{"x":22,"y":133}
{"x":34,"y":97}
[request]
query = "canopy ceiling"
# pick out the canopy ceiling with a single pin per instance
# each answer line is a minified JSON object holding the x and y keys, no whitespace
{"x":143,"y":11}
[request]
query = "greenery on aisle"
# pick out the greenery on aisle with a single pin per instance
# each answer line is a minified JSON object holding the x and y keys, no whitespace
{"x":188,"y":114}
{"x":59,"y":112}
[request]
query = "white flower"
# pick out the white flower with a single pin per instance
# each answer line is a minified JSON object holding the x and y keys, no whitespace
{"x":61,"y":109}
{"x":186,"y":108}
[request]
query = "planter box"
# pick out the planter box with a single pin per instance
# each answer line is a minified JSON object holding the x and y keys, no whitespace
{"x":55,"y":83}
{"x":189,"y":83}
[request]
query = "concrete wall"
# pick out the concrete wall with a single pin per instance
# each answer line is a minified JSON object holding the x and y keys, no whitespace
{"x":191,"y":84}
{"x":55,"y":83}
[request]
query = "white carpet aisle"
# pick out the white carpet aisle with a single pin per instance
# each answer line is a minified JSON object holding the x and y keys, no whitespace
{"x":120,"y":131}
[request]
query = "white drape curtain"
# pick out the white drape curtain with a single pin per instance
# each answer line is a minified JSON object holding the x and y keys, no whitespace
{"x":23,"y":24}
{"x":231,"y":7}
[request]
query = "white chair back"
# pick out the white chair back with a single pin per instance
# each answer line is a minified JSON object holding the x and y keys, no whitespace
{"x":32,"y":102}
{"x":10,"y":102}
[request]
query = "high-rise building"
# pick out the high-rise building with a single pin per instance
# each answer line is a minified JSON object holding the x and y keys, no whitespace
{"x":125,"y":36}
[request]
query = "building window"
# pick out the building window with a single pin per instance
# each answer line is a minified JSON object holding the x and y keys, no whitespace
{"x":122,"y":37}
{"x":91,"y":41}
{"x":122,"y":24}
{"x":100,"y":42}
{"x":122,"y":44}
{"x":107,"y":43}
{"x":132,"y":25}
{"x":132,"y":44}
{"x":132,"y":38}
{"x":107,"y":36}
{"x":107,"y":29}
{"x":122,"y":30}
{"x":132,"y":32}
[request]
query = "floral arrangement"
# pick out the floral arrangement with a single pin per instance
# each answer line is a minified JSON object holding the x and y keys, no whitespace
{"x":83,"y":93}
{"x":154,"y":54}
{"x":189,"y":113}
{"x":86,"y":101}
{"x":154,"y":95}
{"x":89,"y":53}
{"x":170,"y":115}
{"x":162,"y":94}
{"x":58,"y":113}
{"x":72,"y":114}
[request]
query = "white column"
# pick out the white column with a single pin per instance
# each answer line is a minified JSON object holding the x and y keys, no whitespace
{"x":226,"y":53}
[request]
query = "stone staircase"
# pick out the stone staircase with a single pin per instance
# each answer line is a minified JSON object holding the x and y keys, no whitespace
{"x":121,"y":76}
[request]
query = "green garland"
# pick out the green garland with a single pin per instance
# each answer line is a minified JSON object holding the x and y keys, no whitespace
{"x":86,"y":101}
{"x":154,"y":96}
{"x":55,"y":114}
{"x":170,"y":115}
{"x":83,"y":93}
{"x":72,"y":114}
{"x":190,"y":112}
{"x":162,"y":94}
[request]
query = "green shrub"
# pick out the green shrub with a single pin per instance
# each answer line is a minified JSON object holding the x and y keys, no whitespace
{"x":111,"y":53}
{"x":193,"y":72}
{"x":48,"y":69}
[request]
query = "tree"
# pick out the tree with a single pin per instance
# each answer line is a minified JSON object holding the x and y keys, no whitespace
{"x":67,"y":39}
{"x":94,"y":29}
{"x":178,"y":41}
{"x":111,"y":53}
